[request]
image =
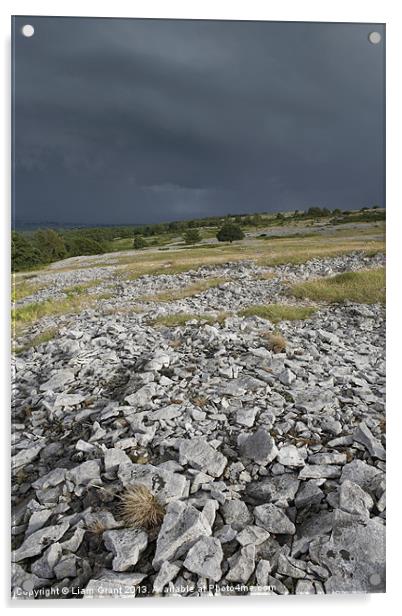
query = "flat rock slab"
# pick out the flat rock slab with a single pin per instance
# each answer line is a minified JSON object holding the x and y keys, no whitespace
{"x":205,"y":558}
{"x":26,"y":456}
{"x":164,"y":484}
{"x":274,"y":520}
{"x":58,"y":380}
{"x":242,"y":565}
{"x":39,"y":540}
{"x":355,"y":555}
{"x":182,"y":527}
{"x":259,"y":447}
{"x":127,"y":544}
{"x":113,"y":585}
{"x":199,"y":454}
{"x":290,"y":456}
{"x":281,"y":488}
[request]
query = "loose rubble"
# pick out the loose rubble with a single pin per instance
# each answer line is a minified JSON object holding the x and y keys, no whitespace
{"x":270,"y":466}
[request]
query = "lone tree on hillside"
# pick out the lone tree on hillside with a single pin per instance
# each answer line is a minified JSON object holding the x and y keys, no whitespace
{"x":229,"y":233}
{"x":139,"y":242}
{"x":192,"y":236}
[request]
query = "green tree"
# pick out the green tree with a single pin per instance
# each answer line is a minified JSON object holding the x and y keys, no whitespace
{"x":139,"y":243}
{"x":50,"y":244}
{"x":192,"y":236}
{"x":79,"y":245}
{"x":23,"y":254}
{"x":229,"y":233}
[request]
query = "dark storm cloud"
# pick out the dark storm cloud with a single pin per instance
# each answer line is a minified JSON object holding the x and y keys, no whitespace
{"x":148,"y":120}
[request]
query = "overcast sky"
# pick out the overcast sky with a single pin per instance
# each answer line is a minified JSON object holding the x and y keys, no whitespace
{"x":139,"y":121}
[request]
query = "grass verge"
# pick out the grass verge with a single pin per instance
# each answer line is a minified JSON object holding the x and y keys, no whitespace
{"x":42,"y":338}
{"x":363,"y":287}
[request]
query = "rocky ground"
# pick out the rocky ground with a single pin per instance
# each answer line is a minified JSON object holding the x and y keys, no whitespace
{"x":270,"y":466}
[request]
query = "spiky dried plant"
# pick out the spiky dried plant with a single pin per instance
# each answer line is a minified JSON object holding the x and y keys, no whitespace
{"x":140,"y":508}
{"x":96,"y":527}
{"x":276,"y":342}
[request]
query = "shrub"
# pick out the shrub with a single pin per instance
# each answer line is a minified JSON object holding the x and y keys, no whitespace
{"x":229,"y":233}
{"x":192,"y":236}
{"x":139,"y":242}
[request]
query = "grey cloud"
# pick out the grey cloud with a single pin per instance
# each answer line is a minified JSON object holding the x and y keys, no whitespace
{"x":148,"y":120}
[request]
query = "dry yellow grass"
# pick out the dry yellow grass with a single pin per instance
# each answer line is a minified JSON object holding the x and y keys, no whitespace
{"x":364,"y":287}
{"x":140,"y":508}
{"x":278,"y":312}
{"x":45,"y":336}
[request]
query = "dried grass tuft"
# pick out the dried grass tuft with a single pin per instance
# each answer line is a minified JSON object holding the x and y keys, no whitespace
{"x":140,"y":508}
{"x":275,"y":342}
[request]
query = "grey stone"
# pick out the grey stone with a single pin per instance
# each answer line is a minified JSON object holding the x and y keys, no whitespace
{"x":101,"y":518}
{"x":305,"y":587}
{"x":127,"y":545}
{"x":209,"y":511}
{"x":252,"y":534}
{"x":226,"y":534}
{"x":242,"y":565}
{"x":182,"y":526}
{"x":22,"y":581}
{"x":66,"y":567}
{"x":281,"y":488}
{"x":36,"y":543}
{"x":359,"y":472}
{"x":51,"y":479}
{"x":291,"y":567}
{"x":164,"y":484}
{"x":114,"y":458}
{"x":308,"y":494}
{"x":363,"y":435}
{"x":166,"y":574}
{"x":37,"y":520}
{"x":277,"y":586}
{"x":333,"y":426}
{"x":64,"y":399}
{"x":290,"y":456}
{"x":320,"y":471}
{"x":246,"y":416}
{"x":26,"y":456}
{"x":355,"y":500}
{"x":58,"y":380}
{"x":273,"y":519}
{"x":199,"y":454}
{"x":205,"y":558}
{"x":143,"y":397}
{"x":75,"y":540}
{"x":262,"y":572}
{"x":113,"y":585}
{"x":87,"y":472}
{"x":236,"y":513}
{"x":259,"y":447}
{"x":44,"y":566}
{"x":287,"y":377}
{"x":354,"y":555}
{"x":327,"y":458}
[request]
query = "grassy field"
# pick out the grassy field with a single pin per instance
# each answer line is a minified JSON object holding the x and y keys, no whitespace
{"x":365,"y":287}
{"x":368,"y":287}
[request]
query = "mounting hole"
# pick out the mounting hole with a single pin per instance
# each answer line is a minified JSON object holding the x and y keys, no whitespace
{"x":374,"y":38}
{"x":28,"y":30}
